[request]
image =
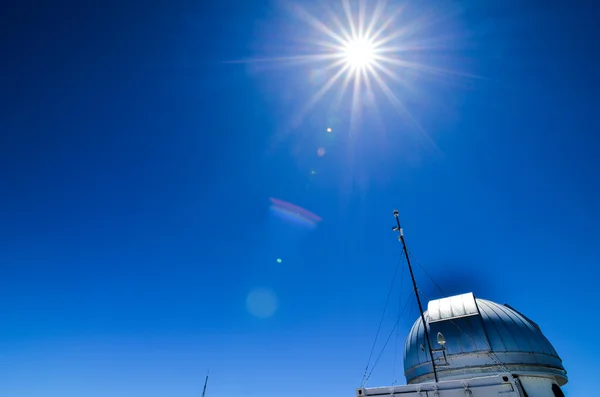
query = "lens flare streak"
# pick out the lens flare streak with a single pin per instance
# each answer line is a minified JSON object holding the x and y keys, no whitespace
{"x":294,"y":214}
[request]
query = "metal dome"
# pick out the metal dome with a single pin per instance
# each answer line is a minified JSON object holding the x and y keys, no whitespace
{"x":481,"y":337}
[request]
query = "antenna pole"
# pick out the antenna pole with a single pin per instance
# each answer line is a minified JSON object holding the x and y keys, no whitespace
{"x":398,"y":228}
{"x":205,"y":383}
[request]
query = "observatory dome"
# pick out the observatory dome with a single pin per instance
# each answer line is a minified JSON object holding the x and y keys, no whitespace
{"x":481,"y":337}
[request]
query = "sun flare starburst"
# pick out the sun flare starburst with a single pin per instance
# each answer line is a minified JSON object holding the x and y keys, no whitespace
{"x":357,"y":51}
{"x":363,"y":47}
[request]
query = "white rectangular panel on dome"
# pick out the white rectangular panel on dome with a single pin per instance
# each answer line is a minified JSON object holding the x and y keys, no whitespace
{"x":452,"y":307}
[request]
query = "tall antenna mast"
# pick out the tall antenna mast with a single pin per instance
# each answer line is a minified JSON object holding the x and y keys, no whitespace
{"x":398,"y":229}
{"x":205,"y":383}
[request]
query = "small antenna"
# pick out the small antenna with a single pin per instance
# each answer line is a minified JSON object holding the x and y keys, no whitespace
{"x":398,"y":229}
{"x":205,"y":383}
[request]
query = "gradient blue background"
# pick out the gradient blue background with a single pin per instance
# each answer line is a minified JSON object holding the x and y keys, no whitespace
{"x":136,"y":168}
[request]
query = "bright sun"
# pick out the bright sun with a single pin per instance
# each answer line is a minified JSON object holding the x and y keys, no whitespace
{"x":363,"y":46}
{"x":359,"y":53}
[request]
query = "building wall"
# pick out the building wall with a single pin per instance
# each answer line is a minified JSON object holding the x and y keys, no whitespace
{"x":538,"y":387}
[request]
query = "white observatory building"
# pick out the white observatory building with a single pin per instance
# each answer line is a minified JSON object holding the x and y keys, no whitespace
{"x":479,"y":348}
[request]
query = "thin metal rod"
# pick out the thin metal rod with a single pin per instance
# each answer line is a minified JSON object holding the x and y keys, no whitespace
{"x":412,"y":276}
{"x":205,"y":383}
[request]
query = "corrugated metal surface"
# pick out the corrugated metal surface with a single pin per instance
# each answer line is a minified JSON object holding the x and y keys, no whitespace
{"x":452,"y":307}
{"x":508,"y":331}
{"x":479,"y":334}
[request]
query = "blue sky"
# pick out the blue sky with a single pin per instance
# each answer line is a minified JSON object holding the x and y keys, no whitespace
{"x":137,"y":164}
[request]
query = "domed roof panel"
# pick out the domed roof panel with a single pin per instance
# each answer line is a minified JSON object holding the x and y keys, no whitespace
{"x":480,"y":335}
{"x":508,"y":330}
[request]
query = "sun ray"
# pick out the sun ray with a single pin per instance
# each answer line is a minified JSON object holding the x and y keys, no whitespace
{"x":429,"y":69}
{"x":375,"y":18}
{"x":331,"y":66}
{"x":389,"y":73}
{"x":386,"y":24}
{"x":350,"y":18}
{"x":292,"y":59}
{"x":356,"y":110}
{"x":406,"y":47}
{"x":316,"y":23}
{"x":319,"y":94}
{"x":362,"y":10}
{"x":339,"y":25}
{"x":396,"y":34}
{"x":341,"y":94}
{"x":402,"y":109}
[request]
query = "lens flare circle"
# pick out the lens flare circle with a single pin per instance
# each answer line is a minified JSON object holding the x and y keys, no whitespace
{"x":261,"y":303}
